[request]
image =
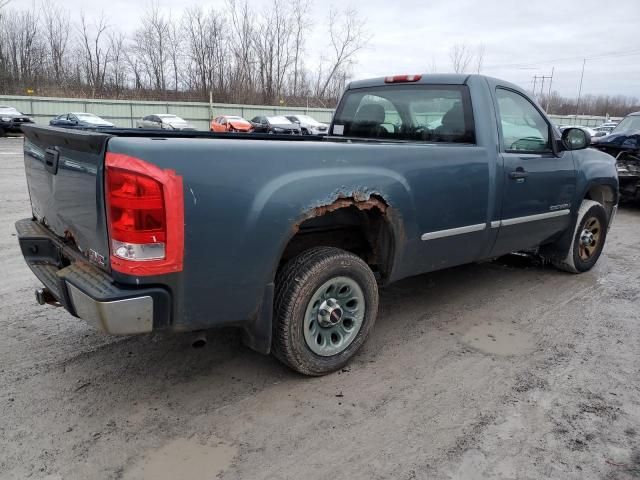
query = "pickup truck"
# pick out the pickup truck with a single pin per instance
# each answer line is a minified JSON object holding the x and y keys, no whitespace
{"x":289,"y":237}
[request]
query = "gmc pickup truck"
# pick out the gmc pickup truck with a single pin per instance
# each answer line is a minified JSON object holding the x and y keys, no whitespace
{"x":288,"y":238}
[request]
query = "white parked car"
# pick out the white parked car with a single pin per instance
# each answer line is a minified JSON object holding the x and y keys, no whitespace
{"x":164,"y":121}
{"x":309,"y":125}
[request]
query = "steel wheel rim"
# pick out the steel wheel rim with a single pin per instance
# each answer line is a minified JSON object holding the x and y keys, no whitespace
{"x":334,"y":316}
{"x":590,"y":238}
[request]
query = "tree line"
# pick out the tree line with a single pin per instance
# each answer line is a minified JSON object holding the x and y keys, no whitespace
{"x":601,"y":105}
{"x":236,"y":54}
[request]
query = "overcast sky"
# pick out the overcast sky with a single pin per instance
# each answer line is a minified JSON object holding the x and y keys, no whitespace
{"x":521,"y":38}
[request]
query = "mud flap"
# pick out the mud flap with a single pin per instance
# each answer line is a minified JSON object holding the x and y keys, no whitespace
{"x":257,"y":334}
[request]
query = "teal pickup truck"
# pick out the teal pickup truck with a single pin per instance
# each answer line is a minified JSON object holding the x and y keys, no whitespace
{"x":289,"y":237}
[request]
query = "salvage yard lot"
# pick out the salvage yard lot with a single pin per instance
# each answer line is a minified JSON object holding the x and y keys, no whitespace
{"x":507,"y":369}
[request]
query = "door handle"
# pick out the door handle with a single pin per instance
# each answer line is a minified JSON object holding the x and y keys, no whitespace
{"x":518,"y":173}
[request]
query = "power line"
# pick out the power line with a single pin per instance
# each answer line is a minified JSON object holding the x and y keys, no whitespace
{"x":565,"y":59}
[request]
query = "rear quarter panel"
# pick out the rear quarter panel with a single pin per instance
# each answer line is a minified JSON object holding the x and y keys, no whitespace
{"x":242,"y":199}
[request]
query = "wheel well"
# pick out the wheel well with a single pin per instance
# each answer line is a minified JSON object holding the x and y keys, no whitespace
{"x":360,"y":227}
{"x":603,"y":194}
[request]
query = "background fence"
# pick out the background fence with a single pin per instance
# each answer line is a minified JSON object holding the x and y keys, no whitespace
{"x":124,"y":113}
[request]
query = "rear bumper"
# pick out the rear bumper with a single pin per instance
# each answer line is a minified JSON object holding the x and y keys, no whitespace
{"x":88,"y":292}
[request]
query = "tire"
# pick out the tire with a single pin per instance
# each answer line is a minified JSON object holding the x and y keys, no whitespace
{"x":2,"y":132}
{"x":592,"y":217}
{"x":312,"y":276}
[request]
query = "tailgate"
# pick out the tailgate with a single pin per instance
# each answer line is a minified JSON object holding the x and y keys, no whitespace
{"x":65,"y":171}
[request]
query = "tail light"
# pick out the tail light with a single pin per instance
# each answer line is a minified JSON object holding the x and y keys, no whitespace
{"x":145,"y":216}
{"x":402,"y":78}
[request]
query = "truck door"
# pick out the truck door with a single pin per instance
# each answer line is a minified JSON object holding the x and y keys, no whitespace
{"x":539,"y":184}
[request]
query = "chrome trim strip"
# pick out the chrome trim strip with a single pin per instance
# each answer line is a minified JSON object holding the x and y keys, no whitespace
{"x":533,"y":218}
{"x":119,"y":317}
{"x":495,"y":224}
{"x":454,"y":231}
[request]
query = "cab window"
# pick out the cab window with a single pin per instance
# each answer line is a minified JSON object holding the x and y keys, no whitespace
{"x":423,"y":113}
{"x":524,"y":129}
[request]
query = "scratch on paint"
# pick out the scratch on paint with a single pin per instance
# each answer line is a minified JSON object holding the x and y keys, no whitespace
{"x":195,"y":200}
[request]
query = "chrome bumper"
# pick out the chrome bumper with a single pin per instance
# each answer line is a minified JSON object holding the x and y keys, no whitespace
{"x":118,"y":317}
{"x":87,"y":291}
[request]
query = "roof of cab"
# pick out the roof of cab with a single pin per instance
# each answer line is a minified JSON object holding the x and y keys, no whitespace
{"x":427,"y":79}
{"x":436,"y":79}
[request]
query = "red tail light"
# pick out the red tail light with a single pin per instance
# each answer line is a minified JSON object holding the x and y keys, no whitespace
{"x":145,"y":216}
{"x":402,"y":78}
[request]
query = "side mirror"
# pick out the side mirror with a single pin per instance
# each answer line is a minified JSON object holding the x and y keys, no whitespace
{"x":575,"y":139}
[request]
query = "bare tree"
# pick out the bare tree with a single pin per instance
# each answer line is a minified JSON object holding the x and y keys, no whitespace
{"x":243,"y":27}
{"x":240,"y":54}
{"x":301,"y":24}
{"x":273,"y":44}
{"x":174,"y":50}
{"x":117,"y":66}
{"x":461,"y":56}
{"x":94,"y":52}
{"x":206,"y":48}
{"x":56,"y":29}
{"x":479,"y":57}
{"x":347,"y":36}
{"x":150,"y":43}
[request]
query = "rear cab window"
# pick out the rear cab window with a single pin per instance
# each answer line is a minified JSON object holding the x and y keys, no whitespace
{"x":419,"y":113}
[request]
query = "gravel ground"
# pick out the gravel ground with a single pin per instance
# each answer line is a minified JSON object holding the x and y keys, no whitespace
{"x":506,"y":369}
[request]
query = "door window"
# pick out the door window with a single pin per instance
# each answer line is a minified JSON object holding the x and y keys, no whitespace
{"x":524,"y":129}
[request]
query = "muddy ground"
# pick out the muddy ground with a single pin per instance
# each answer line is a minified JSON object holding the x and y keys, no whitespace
{"x":507,"y":370}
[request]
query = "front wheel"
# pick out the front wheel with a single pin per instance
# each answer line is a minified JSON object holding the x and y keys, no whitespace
{"x":325,"y":306}
{"x":588,"y":239}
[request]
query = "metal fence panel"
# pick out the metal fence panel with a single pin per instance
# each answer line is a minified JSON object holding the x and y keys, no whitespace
{"x":124,"y":113}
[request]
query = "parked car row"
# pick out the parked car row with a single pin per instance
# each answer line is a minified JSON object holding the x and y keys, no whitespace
{"x":274,"y":124}
{"x":11,"y":120}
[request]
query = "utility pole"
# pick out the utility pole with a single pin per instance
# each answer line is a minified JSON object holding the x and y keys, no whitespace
{"x":549,"y":94}
{"x":580,"y":91}
{"x":542,"y":79}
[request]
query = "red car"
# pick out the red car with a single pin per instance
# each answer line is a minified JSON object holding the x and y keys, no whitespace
{"x":230,"y":123}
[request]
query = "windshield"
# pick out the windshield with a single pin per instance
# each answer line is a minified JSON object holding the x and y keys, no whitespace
{"x":279,"y":120}
{"x":87,"y":116}
{"x":171,"y":119}
{"x":632,"y":122}
{"x":308,"y":120}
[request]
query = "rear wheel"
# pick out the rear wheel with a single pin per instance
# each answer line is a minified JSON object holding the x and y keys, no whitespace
{"x":588,"y":239}
{"x":326,"y":304}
